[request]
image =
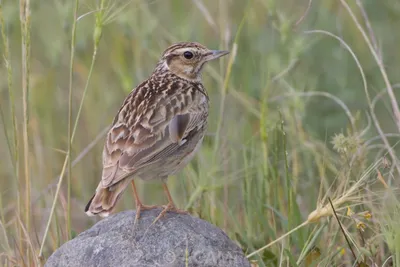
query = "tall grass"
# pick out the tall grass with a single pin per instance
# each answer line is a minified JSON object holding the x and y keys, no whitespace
{"x":25,"y":18}
{"x":304,"y":111}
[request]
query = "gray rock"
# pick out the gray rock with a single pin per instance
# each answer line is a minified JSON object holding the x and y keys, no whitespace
{"x":173,"y":241}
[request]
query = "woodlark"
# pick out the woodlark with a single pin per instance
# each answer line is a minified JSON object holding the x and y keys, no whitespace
{"x":158,"y":129}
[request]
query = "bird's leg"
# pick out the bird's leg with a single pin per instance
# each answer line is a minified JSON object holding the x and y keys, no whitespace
{"x":170,"y":206}
{"x":139,"y":205}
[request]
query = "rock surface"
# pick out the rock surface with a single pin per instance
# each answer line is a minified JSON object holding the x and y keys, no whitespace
{"x":175,"y":240}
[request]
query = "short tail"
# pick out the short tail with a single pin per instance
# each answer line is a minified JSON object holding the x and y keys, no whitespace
{"x":104,"y":200}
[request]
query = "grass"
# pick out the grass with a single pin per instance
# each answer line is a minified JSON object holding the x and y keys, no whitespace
{"x":303,"y":112}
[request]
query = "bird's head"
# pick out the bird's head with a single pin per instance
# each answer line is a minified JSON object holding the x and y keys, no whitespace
{"x":187,"y":59}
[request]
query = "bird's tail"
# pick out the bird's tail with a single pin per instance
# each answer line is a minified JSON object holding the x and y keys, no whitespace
{"x":104,"y":200}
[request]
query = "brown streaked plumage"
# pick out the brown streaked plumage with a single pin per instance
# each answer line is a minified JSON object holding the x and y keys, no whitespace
{"x":158,"y":129}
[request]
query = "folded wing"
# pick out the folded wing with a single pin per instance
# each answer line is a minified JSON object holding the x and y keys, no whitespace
{"x":141,"y":139}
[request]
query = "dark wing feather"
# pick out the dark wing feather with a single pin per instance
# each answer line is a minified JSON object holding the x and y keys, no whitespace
{"x":177,"y":127}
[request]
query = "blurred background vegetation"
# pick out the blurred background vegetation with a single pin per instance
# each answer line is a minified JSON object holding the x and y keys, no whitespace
{"x":302,"y":111}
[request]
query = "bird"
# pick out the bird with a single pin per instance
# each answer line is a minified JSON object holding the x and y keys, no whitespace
{"x":158,"y":129}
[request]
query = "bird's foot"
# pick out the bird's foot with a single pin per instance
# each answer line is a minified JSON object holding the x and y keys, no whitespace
{"x":170,"y":207}
{"x":140,"y":207}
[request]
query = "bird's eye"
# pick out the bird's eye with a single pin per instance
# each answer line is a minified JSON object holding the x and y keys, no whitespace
{"x":188,"y":55}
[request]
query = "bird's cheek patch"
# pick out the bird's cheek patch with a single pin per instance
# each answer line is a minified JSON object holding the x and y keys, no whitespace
{"x":188,"y":69}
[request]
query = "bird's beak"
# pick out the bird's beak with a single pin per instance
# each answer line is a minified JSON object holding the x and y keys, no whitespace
{"x":214,"y":54}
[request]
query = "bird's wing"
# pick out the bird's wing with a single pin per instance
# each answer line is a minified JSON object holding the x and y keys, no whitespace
{"x":148,"y":129}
